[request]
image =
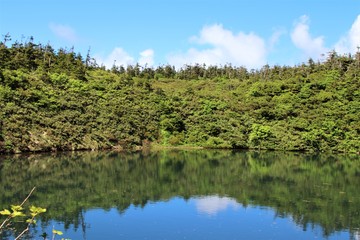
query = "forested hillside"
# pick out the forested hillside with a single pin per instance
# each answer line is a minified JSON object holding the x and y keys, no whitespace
{"x":59,"y":100}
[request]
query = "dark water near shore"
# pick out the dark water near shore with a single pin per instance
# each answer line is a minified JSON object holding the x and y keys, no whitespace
{"x":187,"y":194}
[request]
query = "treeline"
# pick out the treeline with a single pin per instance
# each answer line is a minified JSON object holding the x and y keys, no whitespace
{"x":59,"y":100}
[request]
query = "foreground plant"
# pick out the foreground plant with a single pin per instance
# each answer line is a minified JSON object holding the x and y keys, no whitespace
{"x":17,"y":211}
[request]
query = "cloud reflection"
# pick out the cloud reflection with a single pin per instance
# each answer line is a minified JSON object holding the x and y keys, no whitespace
{"x":212,"y":205}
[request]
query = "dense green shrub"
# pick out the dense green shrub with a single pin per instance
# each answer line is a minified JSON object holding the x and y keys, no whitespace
{"x":56,"y":100}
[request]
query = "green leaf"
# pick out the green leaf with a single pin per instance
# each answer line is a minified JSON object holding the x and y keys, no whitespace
{"x":18,"y":214}
{"x":36,"y":210}
{"x":30,"y":220}
{"x":16,"y":208}
{"x":5,"y":212}
{"x":57,"y":232}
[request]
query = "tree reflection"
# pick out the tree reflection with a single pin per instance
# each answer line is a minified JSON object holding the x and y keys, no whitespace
{"x":312,"y":189}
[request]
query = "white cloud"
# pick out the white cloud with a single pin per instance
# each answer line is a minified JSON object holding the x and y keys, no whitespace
{"x":274,"y":39}
{"x":118,"y":57}
{"x":213,"y":204}
{"x":350,"y":42}
{"x":146,"y":57}
{"x":216,"y":45}
{"x":64,"y":32}
{"x":225,"y":47}
{"x":300,"y":36}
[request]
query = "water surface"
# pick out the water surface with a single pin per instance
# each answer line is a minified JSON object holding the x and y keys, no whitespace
{"x":192,"y":194}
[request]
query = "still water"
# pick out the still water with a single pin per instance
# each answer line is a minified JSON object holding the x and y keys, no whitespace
{"x":187,"y":194}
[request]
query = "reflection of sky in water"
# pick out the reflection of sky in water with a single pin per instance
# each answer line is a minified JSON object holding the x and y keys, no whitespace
{"x":198,"y":218}
{"x":213,"y":204}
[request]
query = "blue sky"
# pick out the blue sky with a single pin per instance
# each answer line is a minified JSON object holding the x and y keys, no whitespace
{"x":247,"y":33}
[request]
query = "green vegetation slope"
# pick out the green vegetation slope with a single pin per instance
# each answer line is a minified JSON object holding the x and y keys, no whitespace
{"x":58,"y":100}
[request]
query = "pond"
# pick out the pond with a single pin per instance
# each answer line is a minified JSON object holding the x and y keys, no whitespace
{"x":187,"y":194}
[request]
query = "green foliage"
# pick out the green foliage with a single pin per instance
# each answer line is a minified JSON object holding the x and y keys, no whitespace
{"x":16,"y":214}
{"x":216,"y":142}
{"x":57,"y":100}
{"x":259,"y":134}
{"x":57,"y":232}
